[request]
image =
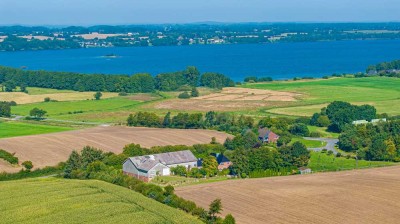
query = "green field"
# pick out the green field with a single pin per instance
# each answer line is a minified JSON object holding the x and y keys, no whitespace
{"x":13,"y":129}
{"x":309,"y":143}
{"x":83,"y":110}
{"x":323,"y":162}
{"x":381,"y":92}
{"x":51,"y":200}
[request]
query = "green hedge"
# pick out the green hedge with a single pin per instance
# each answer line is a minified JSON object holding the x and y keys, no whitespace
{"x":8,"y":157}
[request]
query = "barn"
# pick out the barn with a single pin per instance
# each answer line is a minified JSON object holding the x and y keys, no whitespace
{"x":147,"y":167}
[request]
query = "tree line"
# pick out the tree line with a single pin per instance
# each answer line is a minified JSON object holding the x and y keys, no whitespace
{"x":137,"y":83}
{"x":338,"y":114}
{"x":379,"y":141}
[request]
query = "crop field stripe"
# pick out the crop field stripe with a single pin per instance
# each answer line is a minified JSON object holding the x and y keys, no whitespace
{"x":100,"y":202}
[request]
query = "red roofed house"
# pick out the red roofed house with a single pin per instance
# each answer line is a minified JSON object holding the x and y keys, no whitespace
{"x":266,"y":135}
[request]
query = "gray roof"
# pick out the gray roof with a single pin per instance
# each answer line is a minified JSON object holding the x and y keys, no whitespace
{"x":147,"y":162}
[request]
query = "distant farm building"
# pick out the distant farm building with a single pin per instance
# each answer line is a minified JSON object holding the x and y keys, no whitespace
{"x":147,"y":167}
{"x":266,"y":135}
{"x":373,"y":121}
{"x":305,"y":170}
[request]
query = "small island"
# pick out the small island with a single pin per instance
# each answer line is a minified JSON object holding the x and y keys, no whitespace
{"x":111,"y":56}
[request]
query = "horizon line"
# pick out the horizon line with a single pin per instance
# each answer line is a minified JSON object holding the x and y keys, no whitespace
{"x":195,"y":23}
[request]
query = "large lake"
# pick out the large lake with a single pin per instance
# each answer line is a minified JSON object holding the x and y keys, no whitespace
{"x":280,"y":60}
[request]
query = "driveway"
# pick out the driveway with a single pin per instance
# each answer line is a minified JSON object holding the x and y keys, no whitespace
{"x":330,"y":144}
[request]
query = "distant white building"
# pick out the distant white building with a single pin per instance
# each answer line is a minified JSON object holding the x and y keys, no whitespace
{"x":373,"y":121}
{"x":147,"y":167}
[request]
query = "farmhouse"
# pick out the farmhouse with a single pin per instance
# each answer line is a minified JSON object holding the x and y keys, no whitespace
{"x":147,"y":167}
{"x":266,"y":135}
{"x":223,"y":162}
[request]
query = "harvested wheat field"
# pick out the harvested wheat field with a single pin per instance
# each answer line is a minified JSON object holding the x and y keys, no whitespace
{"x":23,"y":98}
{"x":243,"y":94}
{"x":360,"y":196}
{"x":231,"y":99}
{"x":50,"y":149}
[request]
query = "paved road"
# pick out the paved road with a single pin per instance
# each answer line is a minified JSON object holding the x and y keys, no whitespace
{"x":330,"y":144}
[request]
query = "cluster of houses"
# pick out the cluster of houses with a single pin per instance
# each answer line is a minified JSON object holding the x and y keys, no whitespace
{"x":147,"y":167}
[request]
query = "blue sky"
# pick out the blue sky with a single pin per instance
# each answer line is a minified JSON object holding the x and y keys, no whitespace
{"x":89,"y":12}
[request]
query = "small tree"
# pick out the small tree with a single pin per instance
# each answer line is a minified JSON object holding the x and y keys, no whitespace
{"x":5,"y":109}
{"x":47,"y":99}
{"x":184,"y":95}
{"x":27,"y":165}
{"x":10,"y":86}
{"x":23,"y":88}
{"x":213,"y":141}
{"x":210,"y":165}
{"x":195,"y":92}
{"x":37,"y":113}
{"x":229,"y":219}
{"x":215,"y":209}
{"x":98,"y":95}
{"x":167,"y":120}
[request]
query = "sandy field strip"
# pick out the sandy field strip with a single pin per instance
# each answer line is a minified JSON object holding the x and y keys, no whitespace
{"x":361,"y":196}
{"x":50,"y":149}
{"x":23,"y":98}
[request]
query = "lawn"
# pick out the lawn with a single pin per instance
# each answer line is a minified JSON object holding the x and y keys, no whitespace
{"x":52,"y":200}
{"x":13,"y":129}
{"x":309,"y":143}
{"x":320,"y":162}
{"x":382,"y":92}
{"x":323,"y":131}
{"x":83,"y":110}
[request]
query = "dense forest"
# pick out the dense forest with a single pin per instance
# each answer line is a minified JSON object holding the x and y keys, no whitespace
{"x":10,"y":78}
{"x":22,"y":38}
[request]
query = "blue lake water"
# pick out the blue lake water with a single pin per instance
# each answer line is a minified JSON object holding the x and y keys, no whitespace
{"x":280,"y":60}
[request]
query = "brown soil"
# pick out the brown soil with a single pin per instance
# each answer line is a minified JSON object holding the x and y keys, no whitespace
{"x":362,"y":196}
{"x":50,"y":149}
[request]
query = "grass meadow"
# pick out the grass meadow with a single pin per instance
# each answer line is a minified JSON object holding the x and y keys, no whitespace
{"x":51,"y":200}
{"x":14,"y":129}
{"x":321,"y":162}
{"x":381,"y":92}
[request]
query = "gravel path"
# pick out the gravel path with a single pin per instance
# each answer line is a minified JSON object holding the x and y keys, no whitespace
{"x":330,"y":144}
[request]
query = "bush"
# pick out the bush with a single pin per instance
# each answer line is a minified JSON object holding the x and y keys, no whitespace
{"x":195,"y":92}
{"x":122,"y":94}
{"x":8,"y":157}
{"x":324,"y":150}
{"x":179,"y":170}
{"x":348,"y":156}
{"x":338,"y":154}
{"x":47,"y":99}
{"x":12,"y":103}
{"x":184,"y":95}
{"x":330,"y":152}
{"x":28,"y":165}
{"x":299,"y":129}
